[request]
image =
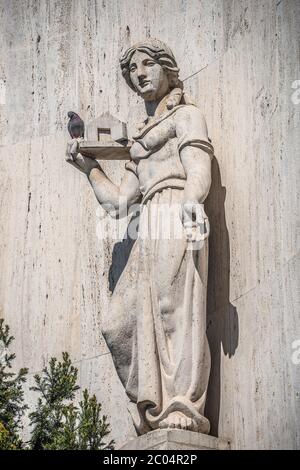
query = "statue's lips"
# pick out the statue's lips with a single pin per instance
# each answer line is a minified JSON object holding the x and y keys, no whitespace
{"x":144,"y":83}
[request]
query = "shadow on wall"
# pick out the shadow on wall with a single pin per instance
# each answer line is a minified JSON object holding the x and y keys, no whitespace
{"x":120,"y":256}
{"x":222,"y":317}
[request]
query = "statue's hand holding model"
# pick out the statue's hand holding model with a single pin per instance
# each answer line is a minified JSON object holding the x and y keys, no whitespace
{"x":156,"y":328}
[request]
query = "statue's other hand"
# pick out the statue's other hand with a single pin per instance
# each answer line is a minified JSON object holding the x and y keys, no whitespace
{"x":84,"y":164}
{"x":195,"y":221}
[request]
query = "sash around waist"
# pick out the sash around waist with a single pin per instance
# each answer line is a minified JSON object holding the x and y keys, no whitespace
{"x":167,"y":183}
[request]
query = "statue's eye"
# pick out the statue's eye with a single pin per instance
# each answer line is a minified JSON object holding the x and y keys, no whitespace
{"x":132,"y":68}
{"x":150,"y":63}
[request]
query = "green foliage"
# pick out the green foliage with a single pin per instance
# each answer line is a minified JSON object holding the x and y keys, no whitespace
{"x":66,"y":436}
{"x":57,"y":387}
{"x":59,"y":424}
{"x":5,"y":439}
{"x":92,"y":429}
{"x":12,"y":405}
{"x":56,"y":422}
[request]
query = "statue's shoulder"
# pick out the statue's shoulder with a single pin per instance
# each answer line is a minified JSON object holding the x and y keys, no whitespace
{"x":189,"y":116}
{"x":188,"y":111}
{"x":191,"y":128}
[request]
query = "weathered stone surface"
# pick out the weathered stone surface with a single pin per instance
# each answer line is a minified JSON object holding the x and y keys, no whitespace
{"x":175,"y":439}
{"x":256,"y":146}
{"x":42,"y":290}
{"x":62,"y":55}
{"x":260,"y":382}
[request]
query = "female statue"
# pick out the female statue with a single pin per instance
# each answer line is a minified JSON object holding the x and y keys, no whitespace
{"x":156,"y":330}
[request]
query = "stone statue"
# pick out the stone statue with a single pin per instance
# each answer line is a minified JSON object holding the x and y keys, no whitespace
{"x":156,"y":329}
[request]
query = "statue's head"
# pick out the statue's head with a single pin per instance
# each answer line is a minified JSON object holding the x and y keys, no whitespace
{"x":149,"y":68}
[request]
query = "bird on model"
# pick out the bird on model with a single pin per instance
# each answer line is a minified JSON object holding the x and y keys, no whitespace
{"x":75,"y":125}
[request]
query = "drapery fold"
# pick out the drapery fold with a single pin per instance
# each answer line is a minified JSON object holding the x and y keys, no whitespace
{"x":156,"y":331}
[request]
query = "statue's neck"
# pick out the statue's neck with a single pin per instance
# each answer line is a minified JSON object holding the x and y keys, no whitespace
{"x":157,"y":107}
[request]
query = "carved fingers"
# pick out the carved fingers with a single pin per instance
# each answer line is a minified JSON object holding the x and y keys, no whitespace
{"x":84,"y":164}
{"x":195,"y":221}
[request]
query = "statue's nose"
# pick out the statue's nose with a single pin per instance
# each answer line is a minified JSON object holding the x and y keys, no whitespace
{"x":141,"y":72}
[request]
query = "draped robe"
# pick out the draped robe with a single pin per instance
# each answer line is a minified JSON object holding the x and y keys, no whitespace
{"x":156,"y":327}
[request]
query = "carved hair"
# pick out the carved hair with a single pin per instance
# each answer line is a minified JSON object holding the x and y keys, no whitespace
{"x":158,"y":51}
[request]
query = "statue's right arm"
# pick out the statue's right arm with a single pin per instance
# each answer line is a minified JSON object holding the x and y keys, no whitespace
{"x":115,"y":199}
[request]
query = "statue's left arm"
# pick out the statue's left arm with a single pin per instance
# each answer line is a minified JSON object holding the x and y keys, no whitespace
{"x":195,"y":152}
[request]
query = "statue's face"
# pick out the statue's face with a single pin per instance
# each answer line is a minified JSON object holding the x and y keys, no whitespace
{"x":148,"y":77}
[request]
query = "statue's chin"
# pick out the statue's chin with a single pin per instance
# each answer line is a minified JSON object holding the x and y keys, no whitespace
{"x":152,"y":94}
{"x":147,"y":94}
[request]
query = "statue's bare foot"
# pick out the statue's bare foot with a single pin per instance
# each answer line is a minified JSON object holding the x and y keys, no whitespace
{"x":177,"y":420}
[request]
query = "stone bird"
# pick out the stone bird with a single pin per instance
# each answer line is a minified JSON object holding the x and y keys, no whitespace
{"x":75,"y":125}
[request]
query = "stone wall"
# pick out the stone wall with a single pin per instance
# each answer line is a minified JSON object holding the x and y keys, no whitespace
{"x":239,"y":60}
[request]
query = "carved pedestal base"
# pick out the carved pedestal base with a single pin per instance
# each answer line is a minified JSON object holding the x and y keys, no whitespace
{"x":175,"y":439}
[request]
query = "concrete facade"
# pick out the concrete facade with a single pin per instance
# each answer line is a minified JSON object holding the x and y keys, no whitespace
{"x":240,"y":62}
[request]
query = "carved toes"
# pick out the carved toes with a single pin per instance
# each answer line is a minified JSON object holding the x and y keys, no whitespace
{"x":178,"y":421}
